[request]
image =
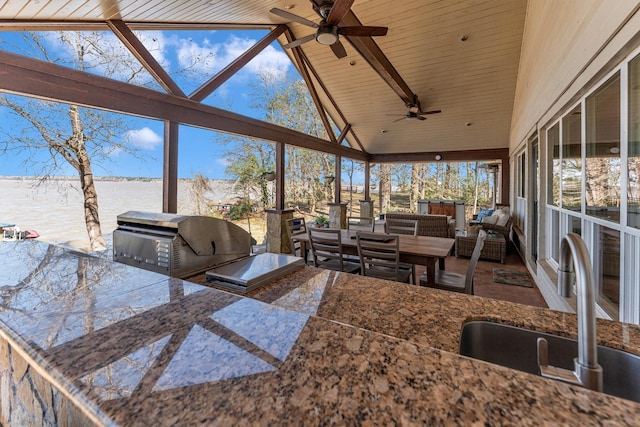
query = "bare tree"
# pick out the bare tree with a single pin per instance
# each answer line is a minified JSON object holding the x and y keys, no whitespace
{"x":68,"y":133}
{"x":199,"y":187}
{"x":385,"y":187}
{"x":414,"y":195}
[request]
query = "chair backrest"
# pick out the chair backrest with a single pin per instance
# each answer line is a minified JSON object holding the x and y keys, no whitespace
{"x":363,"y":223}
{"x":468,"y":282}
{"x":428,"y":225}
{"x":295,"y":226}
{"x":326,"y":246}
{"x":401,"y":226}
{"x":380,"y":253}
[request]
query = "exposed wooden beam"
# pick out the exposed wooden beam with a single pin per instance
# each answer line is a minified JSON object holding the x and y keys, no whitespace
{"x":447,"y":156}
{"x":31,"y":77}
{"x":330,"y":98}
{"x":344,"y":132}
{"x":370,"y":51}
{"x":216,"y":81}
{"x":296,"y":51}
{"x":147,"y":60}
{"x":52,"y":25}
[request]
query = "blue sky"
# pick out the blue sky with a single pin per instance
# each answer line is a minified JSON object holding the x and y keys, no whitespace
{"x":191,"y":57}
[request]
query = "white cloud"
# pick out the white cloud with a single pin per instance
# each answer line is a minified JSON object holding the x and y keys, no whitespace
{"x":208,"y":58}
{"x":104,"y":54}
{"x":223,"y":162}
{"x":198,"y":58}
{"x":144,"y":138}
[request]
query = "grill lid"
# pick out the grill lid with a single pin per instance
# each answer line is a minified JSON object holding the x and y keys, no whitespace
{"x":203,"y":234}
{"x":250,"y":273}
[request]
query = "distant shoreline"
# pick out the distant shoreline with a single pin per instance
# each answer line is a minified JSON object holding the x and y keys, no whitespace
{"x":100,"y":178}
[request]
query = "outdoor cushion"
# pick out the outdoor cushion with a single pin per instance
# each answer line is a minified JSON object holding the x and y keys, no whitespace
{"x":483,"y":213}
{"x":503,"y":218}
{"x":489,"y":219}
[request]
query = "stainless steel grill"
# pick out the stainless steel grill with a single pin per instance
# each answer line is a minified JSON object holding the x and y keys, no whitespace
{"x":178,"y":245}
{"x":182,"y":246}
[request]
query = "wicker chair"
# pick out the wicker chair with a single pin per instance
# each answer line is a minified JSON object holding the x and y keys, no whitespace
{"x":504,"y":229}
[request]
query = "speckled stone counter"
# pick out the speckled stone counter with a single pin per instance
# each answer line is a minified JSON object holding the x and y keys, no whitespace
{"x":129,"y":347}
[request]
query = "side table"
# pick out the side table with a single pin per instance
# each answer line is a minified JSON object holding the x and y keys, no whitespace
{"x":494,"y":249}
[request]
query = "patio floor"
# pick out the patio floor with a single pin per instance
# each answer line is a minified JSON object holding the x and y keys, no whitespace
{"x":484,"y":285}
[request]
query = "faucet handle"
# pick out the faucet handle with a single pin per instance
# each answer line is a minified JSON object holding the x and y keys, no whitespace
{"x":553,"y":372}
{"x":543,"y":354}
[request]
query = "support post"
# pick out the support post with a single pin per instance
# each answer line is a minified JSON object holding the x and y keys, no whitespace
{"x":277,"y":239}
{"x":338,"y":215}
{"x":170,"y":168}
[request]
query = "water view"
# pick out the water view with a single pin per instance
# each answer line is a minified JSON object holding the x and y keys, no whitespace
{"x":55,"y":209}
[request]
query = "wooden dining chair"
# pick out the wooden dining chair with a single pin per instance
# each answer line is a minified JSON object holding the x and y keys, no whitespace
{"x":361,"y":223}
{"x":380,"y":256}
{"x":401,"y":226}
{"x":456,"y":282}
{"x":326,"y":250}
{"x":296,"y":226}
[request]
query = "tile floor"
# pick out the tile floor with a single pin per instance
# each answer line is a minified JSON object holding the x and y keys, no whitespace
{"x":484,"y":285}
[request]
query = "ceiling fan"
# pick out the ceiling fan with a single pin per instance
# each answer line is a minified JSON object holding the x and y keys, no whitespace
{"x":327,"y":31}
{"x":415,"y":113}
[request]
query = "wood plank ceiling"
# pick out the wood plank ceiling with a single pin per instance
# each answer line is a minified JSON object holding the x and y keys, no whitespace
{"x":460,"y":57}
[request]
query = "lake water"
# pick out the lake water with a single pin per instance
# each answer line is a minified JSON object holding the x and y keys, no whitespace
{"x":55,"y":210}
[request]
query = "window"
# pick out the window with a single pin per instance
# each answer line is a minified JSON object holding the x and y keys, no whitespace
{"x":553,"y":141}
{"x":606,"y":266}
{"x":572,"y":160}
{"x":633,"y":162}
{"x":520,"y":174}
{"x":602,"y":168}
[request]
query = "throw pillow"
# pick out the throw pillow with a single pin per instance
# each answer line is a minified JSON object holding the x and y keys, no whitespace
{"x":491,"y":219}
{"x":484,"y":213}
{"x":502,"y":219}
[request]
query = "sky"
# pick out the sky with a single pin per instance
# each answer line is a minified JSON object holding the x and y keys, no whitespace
{"x":191,"y":58}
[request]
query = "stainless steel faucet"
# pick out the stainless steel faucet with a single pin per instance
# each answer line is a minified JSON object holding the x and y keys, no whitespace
{"x":587,"y":372}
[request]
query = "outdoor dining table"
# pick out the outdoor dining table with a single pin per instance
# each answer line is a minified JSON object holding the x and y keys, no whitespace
{"x":421,"y":250}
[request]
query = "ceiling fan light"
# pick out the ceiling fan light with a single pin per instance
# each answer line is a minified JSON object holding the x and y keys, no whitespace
{"x":327,"y":35}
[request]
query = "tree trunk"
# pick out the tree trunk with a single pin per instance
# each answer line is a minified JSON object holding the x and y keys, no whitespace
{"x":475,"y":194}
{"x":415,"y":185}
{"x":91,"y":216}
{"x":385,"y":187}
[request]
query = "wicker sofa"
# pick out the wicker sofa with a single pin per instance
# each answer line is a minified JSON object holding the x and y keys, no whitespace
{"x":428,"y":225}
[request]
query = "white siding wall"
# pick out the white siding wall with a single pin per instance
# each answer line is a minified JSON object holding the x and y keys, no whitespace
{"x":565,"y":44}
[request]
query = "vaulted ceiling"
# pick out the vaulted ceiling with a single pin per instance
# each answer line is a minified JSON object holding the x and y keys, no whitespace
{"x":460,"y":57}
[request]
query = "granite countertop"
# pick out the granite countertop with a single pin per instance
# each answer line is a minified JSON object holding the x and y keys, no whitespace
{"x":133,"y":347}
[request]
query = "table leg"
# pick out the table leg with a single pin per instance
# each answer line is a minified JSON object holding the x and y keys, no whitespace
{"x":431,"y":271}
{"x":441,"y":263}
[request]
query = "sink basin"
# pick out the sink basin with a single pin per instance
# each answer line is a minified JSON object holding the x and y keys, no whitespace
{"x":516,"y":348}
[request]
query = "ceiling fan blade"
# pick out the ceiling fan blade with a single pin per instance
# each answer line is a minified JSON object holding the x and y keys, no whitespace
{"x":290,"y":16}
{"x":421,"y":118}
{"x":338,"y":50}
{"x":423,"y":113}
{"x":300,"y":41}
{"x":339,"y":9}
{"x":363,"y":31}
{"x":397,"y":120}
